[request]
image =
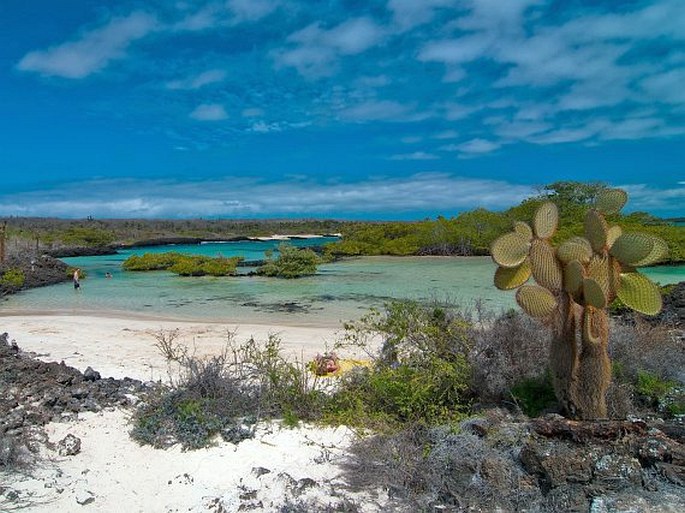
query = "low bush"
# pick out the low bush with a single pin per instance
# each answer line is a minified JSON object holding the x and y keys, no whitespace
{"x":507,"y":350}
{"x":12,"y":278}
{"x":291,"y":262}
{"x":420,"y":374}
{"x":226,"y":395}
{"x":439,"y":469}
{"x":183,"y":265}
{"x":534,"y":395}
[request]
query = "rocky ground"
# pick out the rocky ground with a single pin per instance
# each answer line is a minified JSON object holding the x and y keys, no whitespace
{"x":496,"y":462}
{"x":38,"y":271}
{"x":34,"y":393}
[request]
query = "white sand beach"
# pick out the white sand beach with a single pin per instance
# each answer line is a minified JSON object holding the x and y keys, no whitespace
{"x":112,"y":473}
{"x":120,"y":347}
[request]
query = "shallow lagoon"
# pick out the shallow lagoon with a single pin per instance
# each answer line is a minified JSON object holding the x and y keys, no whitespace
{"x":340,"y":291}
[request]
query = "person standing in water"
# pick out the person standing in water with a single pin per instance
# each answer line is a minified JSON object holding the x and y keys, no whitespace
{"x":77,"y":284}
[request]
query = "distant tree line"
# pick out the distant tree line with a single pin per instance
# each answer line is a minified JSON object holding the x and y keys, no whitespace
{"x":469,"y":233}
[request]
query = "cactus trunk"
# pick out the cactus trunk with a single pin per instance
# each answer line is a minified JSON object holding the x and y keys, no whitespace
{"x":581,"y":378}
{"x":594,"y":366}
{"x":564,"y":358}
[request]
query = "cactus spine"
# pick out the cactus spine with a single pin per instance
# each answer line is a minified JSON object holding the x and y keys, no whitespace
{"x":575,"y":283}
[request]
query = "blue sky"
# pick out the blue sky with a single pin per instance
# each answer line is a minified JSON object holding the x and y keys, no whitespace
{"x":394,"y":109}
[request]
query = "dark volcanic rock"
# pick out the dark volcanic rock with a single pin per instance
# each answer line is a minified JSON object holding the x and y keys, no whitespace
{"x":77,"y":251}
{"x":38,"y":271}
{"x":35,"y":392}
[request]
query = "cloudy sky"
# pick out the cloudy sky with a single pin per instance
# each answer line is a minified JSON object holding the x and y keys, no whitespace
{"x":393,"y":109}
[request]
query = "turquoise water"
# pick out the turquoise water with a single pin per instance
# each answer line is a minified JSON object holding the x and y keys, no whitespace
{"x":340,"y":291}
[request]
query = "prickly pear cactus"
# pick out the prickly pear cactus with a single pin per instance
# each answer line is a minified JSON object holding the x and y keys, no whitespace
{"x":574,"y":284}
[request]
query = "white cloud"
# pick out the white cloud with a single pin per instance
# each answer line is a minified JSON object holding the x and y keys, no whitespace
{"x":668,"y":87}
{"x":209,"y":112}
{"x":251,"y":10}
{"x":211,"y":76}
{"x":446,"y":134}
{"x":417,"y":155}
{"x":316,"y":50}
{"x":477,"y":146}
{"x":249,"y":198}
{"x":93,"y":51}
{"x":410,"y":13}
{"x":253,"y":112}
{"x":647,"y":198}
{"x":382,"y":110}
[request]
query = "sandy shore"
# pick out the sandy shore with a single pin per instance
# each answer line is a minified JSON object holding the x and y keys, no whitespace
{"x":120,"y":347}
{"x":113,"y":473}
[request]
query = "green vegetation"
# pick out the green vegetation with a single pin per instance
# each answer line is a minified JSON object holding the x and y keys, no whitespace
{"x":575,"y":282}
{"x":12,"y":278}
{"x":183,"y":265}
{"x":87,"y":236}
{"x":291,"y":262}
{"x":535,"y":395}
{"x":472,"y":233}
{"x":422,"y":373}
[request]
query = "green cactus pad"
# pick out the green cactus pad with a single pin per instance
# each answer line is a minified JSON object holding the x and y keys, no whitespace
{"x":640,"y":294}
{"x":613,"y":233}
{"x":593,"y":294}
{"x":631,"y":248}
{"x":536,"y":301}
{"x":574,"y":274}
{"x":658,"y":253}
{"x":544,"y":265}
{"x":510,"y":250}
{"x":599,"y":270}
{"x":611,"y":201}
{"x":575,"y":248}
{"x":508,"y":278}
{"x":546,"y":220}
{"x":596,"y":230}
{"x":524,"y":229}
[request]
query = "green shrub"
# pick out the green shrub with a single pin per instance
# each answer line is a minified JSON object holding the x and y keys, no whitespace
{"x":291,"y":262}
{"x":86,"y":236}
{"x":13,"y":278}
{"x":534,"y":395}
{"x":667,"y":396}
{"x":652,"y":386}
{"x":421,"y":373}
{"x":151,"y":261}
{"x":183,"y":265}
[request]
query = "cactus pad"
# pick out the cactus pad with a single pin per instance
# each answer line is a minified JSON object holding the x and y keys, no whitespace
{"x":546,"y":220}
{"x":640,"y":294}
{"x":544,"y":265}
{"x":593,"y":293}
{"x":575,"y":248}
{"x":508,"y":278}
{"x":524,"y":229}
{"x":574,"y":274}
{"x":599,"y":270}
{"x":536,"y":301}
{"x":631,"y":248}
{"x":510,"y":250}
{"x":596,"y":230}
{"x":611,"y":201}
{"x":659,"y":252}
{"x":613,"y":233}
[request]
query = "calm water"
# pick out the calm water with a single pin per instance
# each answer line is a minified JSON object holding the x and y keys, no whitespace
{"x":340,"y":291}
